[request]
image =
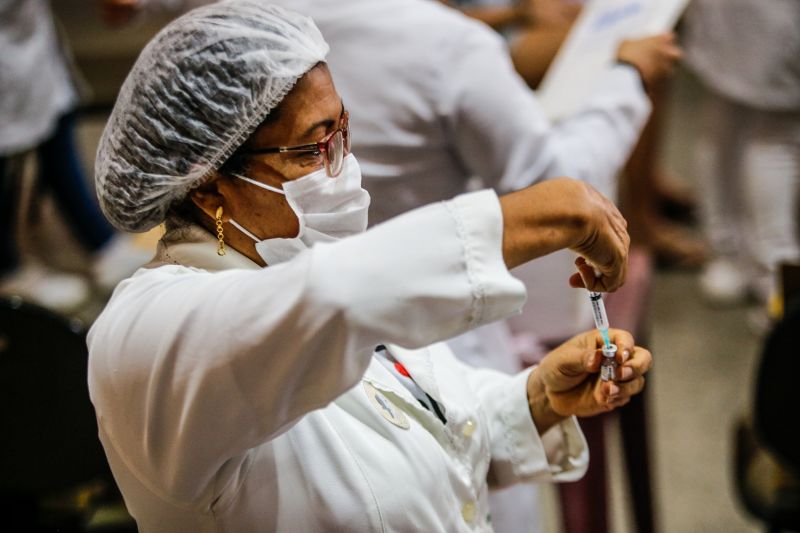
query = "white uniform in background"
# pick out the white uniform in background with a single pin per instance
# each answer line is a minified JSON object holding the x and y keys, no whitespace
{"x":747,"y":53}
{"x":434,"y":100}
{"x":235,"y":398}
{"x":35,"y":84}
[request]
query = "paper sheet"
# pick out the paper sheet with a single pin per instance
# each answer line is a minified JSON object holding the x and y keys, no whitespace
{"x":591,"y":46}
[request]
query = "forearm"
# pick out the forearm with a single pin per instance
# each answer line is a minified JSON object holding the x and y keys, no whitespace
{"x":498,"y":17}
{"x":542,"y":219}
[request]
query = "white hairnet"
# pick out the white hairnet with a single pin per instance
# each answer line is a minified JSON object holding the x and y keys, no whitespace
{"x":195,"y":94}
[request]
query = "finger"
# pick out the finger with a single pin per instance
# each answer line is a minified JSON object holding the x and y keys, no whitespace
{"x":667,"y":36}
{"x":610,"y":406}
{"x":591,"y":278}
{"x":578,"y":363}
{"x":638,"y":365}
{"x":593,"y":362}
{"x":624,"y":342}
{"x":576,"y":281}
{"x":600,"y":279}
{"x":674,"y":52}
{"x":611,"y":279}
{"x":621,"y":275}
{"x":629,"y":388}
{"x":587,"y":274}
{"x":612,"y":391}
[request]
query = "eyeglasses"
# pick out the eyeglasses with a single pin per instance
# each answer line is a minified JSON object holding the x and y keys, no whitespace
{"x":333,"y":147}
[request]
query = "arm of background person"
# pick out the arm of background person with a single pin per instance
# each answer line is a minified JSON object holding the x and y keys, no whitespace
{"x":502,"y":134}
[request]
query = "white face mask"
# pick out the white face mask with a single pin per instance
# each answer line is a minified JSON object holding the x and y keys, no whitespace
{"x":327,"y":208}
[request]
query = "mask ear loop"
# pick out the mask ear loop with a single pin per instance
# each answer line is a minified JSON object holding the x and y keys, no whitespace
{"x":259,"y":184}
{"x":246,"y":232}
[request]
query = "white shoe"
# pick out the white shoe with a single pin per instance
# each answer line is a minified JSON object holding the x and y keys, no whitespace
{"x":723,"y":283}
{"x":58,"y":291}
{"x":118,"y":260}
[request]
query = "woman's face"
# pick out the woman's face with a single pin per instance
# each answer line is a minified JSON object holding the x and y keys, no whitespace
{"x":310,"y":111}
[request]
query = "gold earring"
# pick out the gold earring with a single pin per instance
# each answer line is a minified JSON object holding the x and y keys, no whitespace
{"x":220,"y":235}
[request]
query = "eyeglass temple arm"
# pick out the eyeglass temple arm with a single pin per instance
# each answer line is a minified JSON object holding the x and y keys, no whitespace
{"x":282,"y":149}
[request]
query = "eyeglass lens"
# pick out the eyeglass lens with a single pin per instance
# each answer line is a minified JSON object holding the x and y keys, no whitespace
{"x":335,"y":153}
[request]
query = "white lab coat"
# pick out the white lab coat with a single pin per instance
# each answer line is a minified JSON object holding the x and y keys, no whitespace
{"x":35,"y":84}
{"x":233,"y":398}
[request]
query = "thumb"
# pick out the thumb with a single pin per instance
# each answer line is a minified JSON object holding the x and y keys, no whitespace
{"x":571,"y":369}
{"x":579,"y":363}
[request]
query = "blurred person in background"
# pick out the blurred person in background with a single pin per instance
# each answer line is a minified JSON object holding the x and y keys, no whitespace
{"x":37,"y":114}
{"x":747,"y":55}
{"x":255,"y":340}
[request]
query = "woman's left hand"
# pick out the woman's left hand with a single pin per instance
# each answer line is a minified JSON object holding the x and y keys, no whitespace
{"x":567,"y":382}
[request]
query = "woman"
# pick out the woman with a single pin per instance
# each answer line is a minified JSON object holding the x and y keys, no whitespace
{"x":310,"y":395}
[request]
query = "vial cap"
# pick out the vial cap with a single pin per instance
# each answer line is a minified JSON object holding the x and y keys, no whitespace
{"x":610,"y":350}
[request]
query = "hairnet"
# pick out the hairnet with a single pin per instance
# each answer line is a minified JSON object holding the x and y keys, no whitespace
{"x":195,"y":94}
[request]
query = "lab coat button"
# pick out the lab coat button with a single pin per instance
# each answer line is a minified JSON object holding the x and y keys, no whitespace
{"x":468,"y":429}
{"x":468,"y":512}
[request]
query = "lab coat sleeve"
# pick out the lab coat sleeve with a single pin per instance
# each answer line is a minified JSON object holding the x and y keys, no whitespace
{"x":502,"y":134}
{"x":519,"y":453}
{"x":190,"y":369}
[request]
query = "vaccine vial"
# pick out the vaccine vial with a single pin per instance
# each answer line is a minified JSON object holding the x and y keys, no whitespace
{"x":609,"y":363}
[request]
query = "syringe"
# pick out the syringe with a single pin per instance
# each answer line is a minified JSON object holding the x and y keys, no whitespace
{"x":609,"y":364}
{"x":600,"y":317}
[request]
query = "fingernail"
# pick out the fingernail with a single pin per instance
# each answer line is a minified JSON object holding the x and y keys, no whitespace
{"x":613,"y":390}
{"x":626,"y":372}
{"x":626,"y":354}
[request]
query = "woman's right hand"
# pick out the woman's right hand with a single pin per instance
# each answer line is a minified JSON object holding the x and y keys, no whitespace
{"x":603,"y":262}
{"x":565,"y":213}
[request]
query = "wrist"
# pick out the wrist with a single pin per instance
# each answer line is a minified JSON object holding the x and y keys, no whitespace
{"x":543,"y":415}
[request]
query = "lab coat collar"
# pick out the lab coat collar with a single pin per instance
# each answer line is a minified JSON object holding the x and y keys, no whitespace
{"x":192,"y":245}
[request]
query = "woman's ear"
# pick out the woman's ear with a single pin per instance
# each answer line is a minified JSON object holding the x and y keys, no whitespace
{"x":208,"y":197}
